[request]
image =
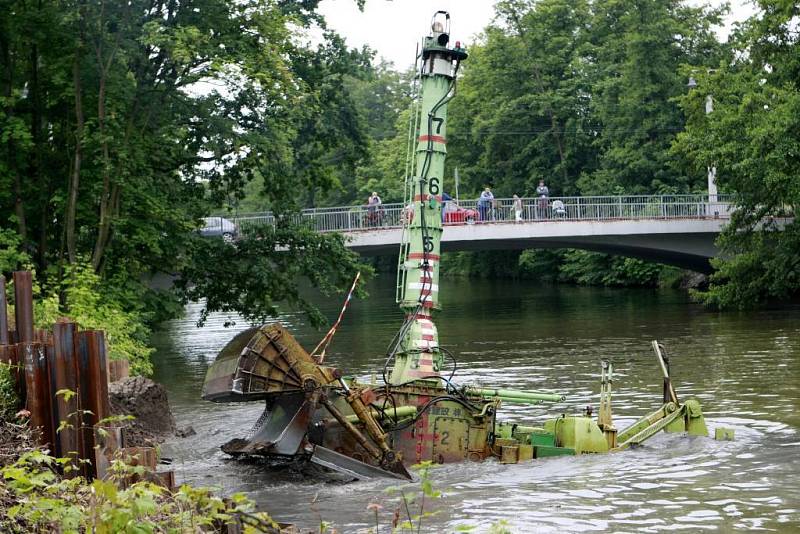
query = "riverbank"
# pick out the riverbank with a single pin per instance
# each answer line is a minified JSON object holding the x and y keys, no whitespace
{"x":39,"y":492}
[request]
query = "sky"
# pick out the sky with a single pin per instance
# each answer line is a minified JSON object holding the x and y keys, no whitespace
{"x":393,"y":27}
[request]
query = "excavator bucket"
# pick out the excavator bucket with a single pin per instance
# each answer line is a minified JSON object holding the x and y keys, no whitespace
{"x":257,"y":364}
{"x":279,"y":432}
{"x":352,"y":467}
{"x":268,"y":364}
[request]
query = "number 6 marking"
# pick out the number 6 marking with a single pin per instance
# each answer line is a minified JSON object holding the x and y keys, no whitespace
{"x":434,"y":186}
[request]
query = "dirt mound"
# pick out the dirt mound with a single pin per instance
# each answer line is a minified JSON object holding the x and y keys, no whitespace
{"x":147,"y":402}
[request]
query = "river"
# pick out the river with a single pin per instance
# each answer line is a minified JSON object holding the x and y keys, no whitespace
{"x":743,"y":367}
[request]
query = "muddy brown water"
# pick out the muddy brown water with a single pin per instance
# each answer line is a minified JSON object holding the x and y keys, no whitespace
{"x":743,"y":367}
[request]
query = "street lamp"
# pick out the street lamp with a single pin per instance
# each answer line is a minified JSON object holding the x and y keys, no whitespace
{"x":712,"y":170}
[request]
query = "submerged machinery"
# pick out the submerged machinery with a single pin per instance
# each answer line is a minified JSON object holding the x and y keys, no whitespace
{"x":314,"y":413}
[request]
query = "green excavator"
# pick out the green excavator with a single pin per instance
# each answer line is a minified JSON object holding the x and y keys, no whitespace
{"x":315,"y":414}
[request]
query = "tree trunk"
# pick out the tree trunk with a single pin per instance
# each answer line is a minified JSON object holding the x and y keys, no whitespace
{"x":105,"y":218}
{"x":43,"y":185}
{"x":74,"y":183}
{"x":19,"y":203}
{"x":110,"y":194}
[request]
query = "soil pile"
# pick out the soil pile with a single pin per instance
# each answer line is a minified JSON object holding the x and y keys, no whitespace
{"x":147,"y":402}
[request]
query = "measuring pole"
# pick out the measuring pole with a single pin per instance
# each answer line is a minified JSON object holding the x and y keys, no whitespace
{"x":417,"y":354}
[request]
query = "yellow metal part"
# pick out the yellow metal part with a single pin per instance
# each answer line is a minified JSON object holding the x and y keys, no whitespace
{"x":364,"y":415}
{"x":509,"y":454}
{"x":650,"y":424}
{"x":604,"y":420}
{"x":723,"y":434}
{"x":578,"y":433}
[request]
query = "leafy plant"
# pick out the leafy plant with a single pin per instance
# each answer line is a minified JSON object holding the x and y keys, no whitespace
{"x":414,"y":496}
{"x":33,"y":497}
{"x":9,"y":400}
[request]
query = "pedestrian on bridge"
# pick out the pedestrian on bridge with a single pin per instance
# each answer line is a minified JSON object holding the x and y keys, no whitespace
{"x":374,"y":209}
{"x":542,"y":196}
{"x":485,"y":204}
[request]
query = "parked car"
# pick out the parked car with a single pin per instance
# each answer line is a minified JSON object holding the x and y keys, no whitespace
{"x":219,"y":227}
{"x":454,"y":214}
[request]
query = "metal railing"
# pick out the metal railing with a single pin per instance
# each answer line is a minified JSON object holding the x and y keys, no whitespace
{"x":596,"y":208}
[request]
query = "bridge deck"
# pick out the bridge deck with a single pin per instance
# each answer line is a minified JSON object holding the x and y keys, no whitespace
{"x":673,"y":229}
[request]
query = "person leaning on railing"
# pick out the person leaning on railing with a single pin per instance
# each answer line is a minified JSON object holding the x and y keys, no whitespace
{"x":374,"y":209}
{"x":485,"y":204}
{"x":542,"y":196}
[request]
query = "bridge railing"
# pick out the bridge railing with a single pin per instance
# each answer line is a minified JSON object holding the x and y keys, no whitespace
{"x":594,"y":208}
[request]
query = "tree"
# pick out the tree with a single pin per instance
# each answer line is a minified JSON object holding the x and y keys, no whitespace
{"x":121,"y":124}
{"x":753,"y":138}
{"x":520,"y":115}
{"x":632,"y":60}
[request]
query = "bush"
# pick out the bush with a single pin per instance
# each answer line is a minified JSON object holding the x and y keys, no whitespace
{"x":34,"y":498}
{"x":82,"y":298}
{"x":90,"y":305}
{"x":9,"y":400}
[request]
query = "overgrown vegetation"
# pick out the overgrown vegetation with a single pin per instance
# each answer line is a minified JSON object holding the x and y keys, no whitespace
{"x":562,"y":266}
{"x":121,"y":124}
{"x":35,"y":498}
{"x":752,"y":137}
{"x":9,"y":400}
{"x":82,"y":295}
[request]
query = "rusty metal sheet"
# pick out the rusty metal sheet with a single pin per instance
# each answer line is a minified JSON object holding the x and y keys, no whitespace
{"x":23,"y":305}
{"x":257,"y":364}
{"x":37,"y":386}
{"x":65,"y":374}
{"x":282,"y":431}
{"x":93,"y":388}
{"x":350,"y":466}
{"x":450,"y":439}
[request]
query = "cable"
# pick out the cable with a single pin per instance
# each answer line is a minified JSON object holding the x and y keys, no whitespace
{"x":425,"y":408}
{"x":455,"y":362}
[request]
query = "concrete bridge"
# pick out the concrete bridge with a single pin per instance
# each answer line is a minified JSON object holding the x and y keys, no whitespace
{"x":676,"y":230}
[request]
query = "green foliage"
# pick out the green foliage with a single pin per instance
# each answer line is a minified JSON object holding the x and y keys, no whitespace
{"x":34,"y":498}
{"x":414,"y":498}
{"x":12,"y":258}
{"x":263,"y":270}
{"x":587,"y":268}
{"x":482,"y":264}
{"x":122,"y":124}
{"x":541,"y":265}
{"x":567,"y":266}
{"x":91,"y":307}
{"x":385,"y":171}
{"x":753,"y":138}
{"x":579,"y":94}
{"x":9,"y":400}
{"x":765,"y":268}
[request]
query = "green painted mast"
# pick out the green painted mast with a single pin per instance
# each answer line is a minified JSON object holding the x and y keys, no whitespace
{"x":416,"y":351}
